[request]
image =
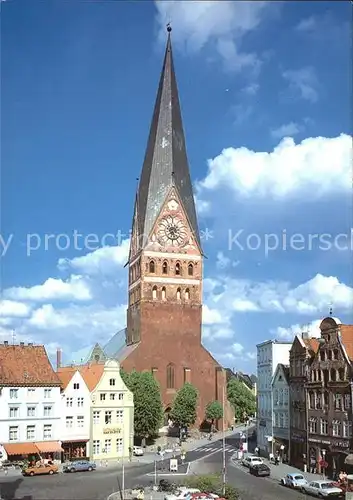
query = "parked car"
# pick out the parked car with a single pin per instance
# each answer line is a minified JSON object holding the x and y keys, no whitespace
{"x":79,"y":466}
{"x":294,"y":480}
{"x":250,"y":460}
{"x":260,"y":470}
{"x":322,"y":489}
{"x":40,"y":470}
{"x":182,"y":493}
{"x":138,"y":451}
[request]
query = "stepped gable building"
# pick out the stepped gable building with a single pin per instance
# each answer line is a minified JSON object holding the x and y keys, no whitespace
{"x":300,"y":356}
{"x":329,"y":397}
{"x":164,"y":313}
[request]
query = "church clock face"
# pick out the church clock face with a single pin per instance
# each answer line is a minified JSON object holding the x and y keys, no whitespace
{"x":172,"y":231}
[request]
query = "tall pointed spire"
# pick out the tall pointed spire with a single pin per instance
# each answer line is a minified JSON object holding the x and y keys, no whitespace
{"x":165,"y":163}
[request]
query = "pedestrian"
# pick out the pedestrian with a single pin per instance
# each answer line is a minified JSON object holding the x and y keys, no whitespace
{"x":271,"y":457}
{"x":257,"y":451}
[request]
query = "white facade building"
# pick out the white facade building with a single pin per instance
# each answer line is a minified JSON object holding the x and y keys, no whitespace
{"x":30,"y":403}
{"x":75,"y":416}
{"x":269,"y":355}
{"x":280,"y":399}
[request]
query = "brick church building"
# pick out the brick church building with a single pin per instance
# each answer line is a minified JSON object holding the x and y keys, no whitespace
{"x":165,"y":265}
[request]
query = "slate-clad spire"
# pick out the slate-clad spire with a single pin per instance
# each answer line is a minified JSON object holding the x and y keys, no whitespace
{"x":165,"y":162}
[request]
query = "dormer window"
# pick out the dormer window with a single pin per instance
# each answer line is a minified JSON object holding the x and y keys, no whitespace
{"x":165,"y":268}
{"x":190,"y":270}
{"x":177,"y":269}
{"x":152,"y":267}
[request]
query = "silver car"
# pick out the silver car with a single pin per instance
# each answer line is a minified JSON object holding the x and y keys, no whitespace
{"x":294,"y":480}
{"x":322,"y":489}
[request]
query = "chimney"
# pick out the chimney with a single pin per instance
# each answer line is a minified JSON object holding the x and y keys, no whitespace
{"x":6,"y":342}
{"x":30,"y":344}
{"x":22,"y":344}
{"x":58,"y":359}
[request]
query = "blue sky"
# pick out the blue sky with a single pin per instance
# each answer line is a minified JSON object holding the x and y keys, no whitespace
{"x":265,"y":92}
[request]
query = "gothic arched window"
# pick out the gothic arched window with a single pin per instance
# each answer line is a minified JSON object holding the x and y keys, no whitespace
{"x":190,"y":270}
{"x":178,"y":295}
{"x":165,"y":268}
{"x":170,"y":376}
{"x":152,"y":267}
{"x":154,"y":292}
{"x":177,"y":269}
{"x":187,"y":294}
{"x":164,"y":293}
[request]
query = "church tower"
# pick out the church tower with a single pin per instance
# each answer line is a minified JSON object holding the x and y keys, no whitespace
{"x":164,"y":315}
{"x":165,"y":261}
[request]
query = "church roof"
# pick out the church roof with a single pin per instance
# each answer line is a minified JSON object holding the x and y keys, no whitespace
{"x":117,"y":349}
{"x":115,"y":344}
{"x":165,"y":163}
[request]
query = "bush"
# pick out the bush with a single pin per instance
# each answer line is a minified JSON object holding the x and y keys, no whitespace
{"x":212,"y":483}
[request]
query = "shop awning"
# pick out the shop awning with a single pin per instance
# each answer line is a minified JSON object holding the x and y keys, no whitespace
{"x":20,"y":449}
{"x":75,"y":441}
{"x":49,"y":447}
{"x":349,"y":459}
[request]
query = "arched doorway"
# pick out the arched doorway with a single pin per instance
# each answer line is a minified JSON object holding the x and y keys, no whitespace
{"x":167,"y":415}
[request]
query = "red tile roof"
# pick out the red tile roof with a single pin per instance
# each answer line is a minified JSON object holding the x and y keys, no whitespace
{"x":347,"y":339}
{"x":312,"y":344}
{"x":91,"y":374}
{"x":26,"y":365}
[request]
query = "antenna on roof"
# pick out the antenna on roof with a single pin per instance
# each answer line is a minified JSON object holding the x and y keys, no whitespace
{"x":330,"y":311}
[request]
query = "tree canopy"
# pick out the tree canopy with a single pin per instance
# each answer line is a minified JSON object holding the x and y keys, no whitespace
{"x":214,"y":411}
{"x":184,"y":406}
{"x":148,"y":407}
{"x":241,"y":398}
{"x":213,"y":484}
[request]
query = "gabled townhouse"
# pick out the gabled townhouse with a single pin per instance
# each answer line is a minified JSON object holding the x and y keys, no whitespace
{"x":329,"y":399}
{"x":112,"y":416}
{"x":30,"y":404}
{"x":301,"y":354}
{"x":280,"y":410}
{"x":77,"y":384}
{"x":269,"y":354}
{"x":97,"y":412}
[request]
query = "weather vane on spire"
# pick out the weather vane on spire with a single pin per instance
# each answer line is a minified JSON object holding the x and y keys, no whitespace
{"x":330,"y":312}
{"x":169,"y":28}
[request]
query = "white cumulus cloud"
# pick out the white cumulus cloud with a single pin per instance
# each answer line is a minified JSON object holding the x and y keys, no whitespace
{"x":12,"y":309}
{"x":76,"y":288}
{"x":310,"y":298}
{"x":319,"y":165}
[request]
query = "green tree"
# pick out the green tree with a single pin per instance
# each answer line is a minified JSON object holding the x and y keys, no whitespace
{"x":241,"y":398}
{"x":212,"y":483}
{"x":214,"y":411}
{"x":148,"y":407}
{"x":184,"y":406}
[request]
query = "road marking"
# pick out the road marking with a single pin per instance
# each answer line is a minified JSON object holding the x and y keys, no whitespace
{"x":205,"y":456}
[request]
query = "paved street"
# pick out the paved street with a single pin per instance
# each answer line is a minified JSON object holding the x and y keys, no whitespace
{"x":99,"y":484}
